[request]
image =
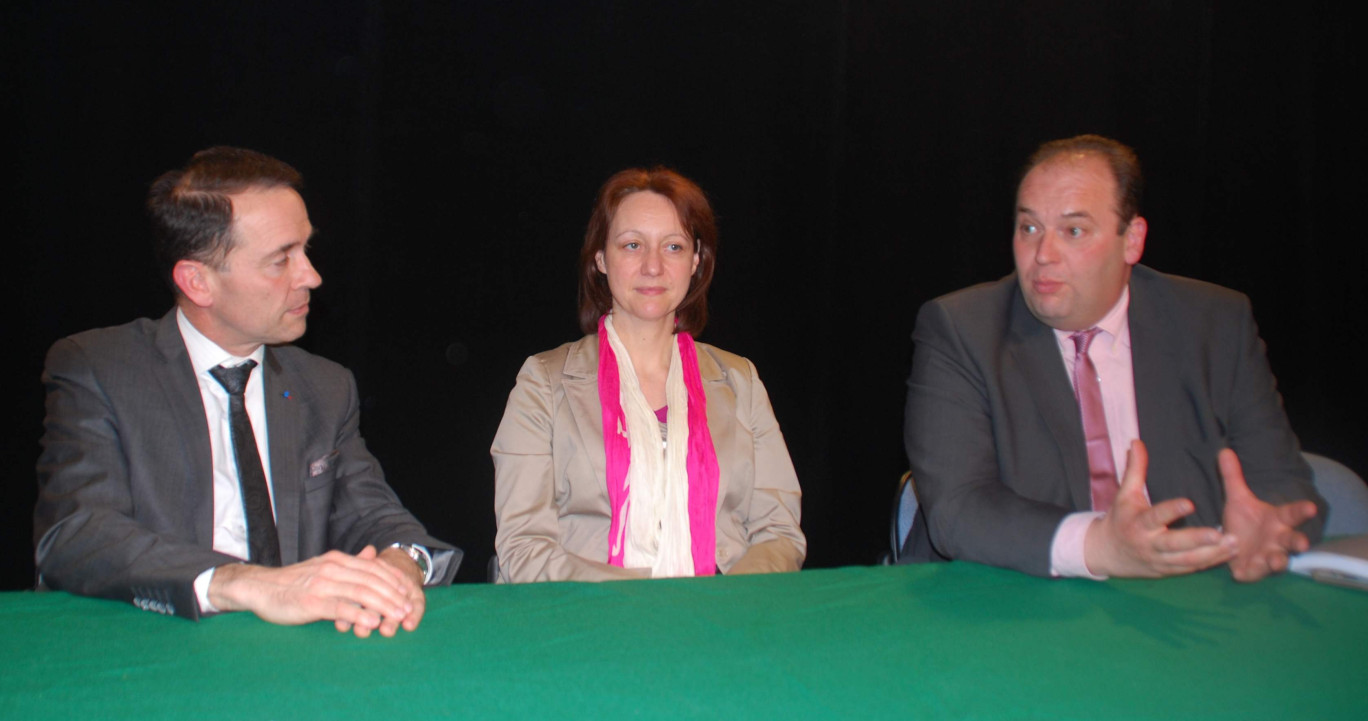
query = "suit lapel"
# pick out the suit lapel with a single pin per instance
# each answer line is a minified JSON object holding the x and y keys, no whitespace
{"x":181,"y":391}
{"x":721,"y":410}
{"x":579,"y":378}
{"x":1035,"y":352}
{"x":285,"y":424}
{"x":1159,"y":384}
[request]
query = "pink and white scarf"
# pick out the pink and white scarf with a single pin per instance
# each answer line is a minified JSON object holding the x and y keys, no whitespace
{"x":700,"y":462}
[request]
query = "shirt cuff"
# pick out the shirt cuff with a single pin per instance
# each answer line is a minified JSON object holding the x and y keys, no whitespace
{"x":202,"y":591}
{"x":1067,"y":556}
{"x":441,"y":561}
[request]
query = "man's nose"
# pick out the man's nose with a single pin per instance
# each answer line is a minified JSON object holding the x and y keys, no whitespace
{"x":308,"y":276}
{"x":1048,"y":250}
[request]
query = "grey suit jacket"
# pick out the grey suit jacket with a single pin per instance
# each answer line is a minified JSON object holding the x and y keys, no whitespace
{"x":995,"y":437}
{"x":125,"y":481}
{"x":550,"y":493}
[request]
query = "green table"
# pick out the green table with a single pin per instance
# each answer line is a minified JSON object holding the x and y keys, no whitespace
{"x":946,"y":641}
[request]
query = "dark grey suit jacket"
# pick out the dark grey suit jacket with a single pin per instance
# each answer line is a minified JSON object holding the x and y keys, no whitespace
{"x":125,"y":481}
{"x":995,"y":438}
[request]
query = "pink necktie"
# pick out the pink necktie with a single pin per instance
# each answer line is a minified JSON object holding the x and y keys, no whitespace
{"x":1088,"y":389}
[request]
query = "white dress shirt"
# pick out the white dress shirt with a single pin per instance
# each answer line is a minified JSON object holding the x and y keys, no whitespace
{"x":230,"y":520}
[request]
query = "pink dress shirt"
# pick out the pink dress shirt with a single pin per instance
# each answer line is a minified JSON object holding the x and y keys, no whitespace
{"x":1111,"y":354}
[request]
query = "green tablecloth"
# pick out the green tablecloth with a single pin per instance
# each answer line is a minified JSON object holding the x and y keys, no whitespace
{"x":945,"y":641}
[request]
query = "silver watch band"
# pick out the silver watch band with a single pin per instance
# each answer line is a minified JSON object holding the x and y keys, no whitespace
{"x":420,"y":556}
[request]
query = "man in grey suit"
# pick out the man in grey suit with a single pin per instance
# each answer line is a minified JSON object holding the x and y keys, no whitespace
{"x":198,"y":463}
{"x":1028,"y":395}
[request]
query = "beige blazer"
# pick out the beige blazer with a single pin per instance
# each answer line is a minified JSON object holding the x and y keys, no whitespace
{"x":551,"y":499}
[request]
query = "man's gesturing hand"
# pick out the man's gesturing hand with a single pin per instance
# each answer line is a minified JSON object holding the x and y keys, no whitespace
{"x":1133,"y":539}
{"x":1265,"y":533}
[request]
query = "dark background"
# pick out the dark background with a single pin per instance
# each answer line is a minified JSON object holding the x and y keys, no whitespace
{"x":862,"y":159}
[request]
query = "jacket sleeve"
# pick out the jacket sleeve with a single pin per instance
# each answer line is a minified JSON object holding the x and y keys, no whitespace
{"x":951,"y":441}
{"x":364,"y":508}
{"x":86,"y":539}
{"x":1257,"y":429}
{"x":776,"y":540}
{"x":528,"y":539}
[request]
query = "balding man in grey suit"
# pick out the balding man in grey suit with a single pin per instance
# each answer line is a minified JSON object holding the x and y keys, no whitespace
{"x":1005,"y":468}
{"x":146,"y":480}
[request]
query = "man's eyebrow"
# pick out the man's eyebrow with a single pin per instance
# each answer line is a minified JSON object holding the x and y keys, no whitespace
{"x":287,"y":247}
{"x":1078,"y":214}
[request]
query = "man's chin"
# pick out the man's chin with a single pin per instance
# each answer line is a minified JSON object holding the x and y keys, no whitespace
{"x":1049,"y":313}
{"x":1041,"y":308}
{"x":290,"y":334}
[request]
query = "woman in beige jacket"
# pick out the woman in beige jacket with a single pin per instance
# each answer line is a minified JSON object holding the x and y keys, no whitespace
{"x":709,"y":487}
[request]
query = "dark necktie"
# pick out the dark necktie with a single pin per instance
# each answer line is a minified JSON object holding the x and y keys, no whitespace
{"x":262,"y":542}
{"x":1088,"y":389}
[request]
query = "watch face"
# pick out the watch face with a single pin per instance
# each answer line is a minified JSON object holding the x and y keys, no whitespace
{"x":420,"y":557}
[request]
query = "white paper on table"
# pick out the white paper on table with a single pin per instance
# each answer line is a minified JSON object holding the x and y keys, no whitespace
{"x":1343,"y":561}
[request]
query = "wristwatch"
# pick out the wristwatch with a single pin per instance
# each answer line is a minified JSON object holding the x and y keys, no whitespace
{"x":420,"y":556}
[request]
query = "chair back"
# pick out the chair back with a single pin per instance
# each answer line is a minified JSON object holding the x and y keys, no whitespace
{"x":1345,"y":493}
{"x":904,"y":513}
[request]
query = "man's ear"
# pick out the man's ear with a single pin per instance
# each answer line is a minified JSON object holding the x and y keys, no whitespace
{"x":192,"y":278}
{"x":1135,"y":239}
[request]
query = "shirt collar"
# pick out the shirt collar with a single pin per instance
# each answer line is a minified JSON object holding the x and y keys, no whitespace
{"x":204,"y":353}
{"x":1116,"y":322}
{"x":1115,"y":326}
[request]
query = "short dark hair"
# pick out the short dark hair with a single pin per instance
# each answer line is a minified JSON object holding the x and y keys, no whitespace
{"x":695,"y":214}
{"x":1125,"y":168}
{"x":192,"y":215}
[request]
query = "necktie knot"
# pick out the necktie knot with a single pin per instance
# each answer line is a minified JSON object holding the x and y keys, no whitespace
{"x":1083,"y":341}
{"x":233,"y":380}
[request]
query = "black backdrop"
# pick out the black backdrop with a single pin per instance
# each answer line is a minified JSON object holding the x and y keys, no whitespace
{"x":861,"y":157}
